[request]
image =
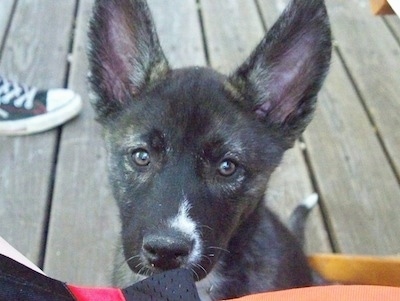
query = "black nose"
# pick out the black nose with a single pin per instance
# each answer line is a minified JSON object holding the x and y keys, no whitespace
{"x":167,"y":251}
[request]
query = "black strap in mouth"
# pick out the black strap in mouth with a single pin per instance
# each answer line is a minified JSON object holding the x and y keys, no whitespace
{"x":170,"y":285}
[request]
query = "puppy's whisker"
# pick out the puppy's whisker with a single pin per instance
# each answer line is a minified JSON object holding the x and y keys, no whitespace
{"x":132,"y":258}
{"x":207,"y":227}
{"x":144,"y":271}
{"x":208,"y":258}
{"x":148,"y":272}
{"x":125,"y":261}
{"x":202,"y":268}
{"x":219,"y":249}
{"x":138,"y":265}
{"x":197,"y":275}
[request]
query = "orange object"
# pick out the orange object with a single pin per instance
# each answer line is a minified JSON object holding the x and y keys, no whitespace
{"x":330,"y":293}
{"x":355,"y":269}
{"x":381,"y":7}
{"x":369,"y":278}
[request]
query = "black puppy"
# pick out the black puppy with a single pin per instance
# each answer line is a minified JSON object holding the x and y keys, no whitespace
{"x":191,"y":150}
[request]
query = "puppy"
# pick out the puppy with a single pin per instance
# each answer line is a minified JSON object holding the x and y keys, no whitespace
{"x":190,"y":150}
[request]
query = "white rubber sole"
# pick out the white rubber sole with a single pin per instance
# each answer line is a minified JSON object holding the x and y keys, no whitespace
{"x":42,"y":122}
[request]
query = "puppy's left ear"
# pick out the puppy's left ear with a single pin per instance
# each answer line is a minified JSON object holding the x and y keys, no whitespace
{"x":279,"y":82}
{"x":125,"y":56}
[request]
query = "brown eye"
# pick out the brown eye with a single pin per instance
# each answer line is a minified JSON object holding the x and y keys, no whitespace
{"x":227,"y":168}
{"x":141,"y":157}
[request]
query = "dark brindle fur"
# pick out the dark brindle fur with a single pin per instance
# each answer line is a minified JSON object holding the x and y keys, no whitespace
{"x":191,"y":150}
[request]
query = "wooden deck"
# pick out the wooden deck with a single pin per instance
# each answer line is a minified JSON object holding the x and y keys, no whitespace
{"x":55,"y":203}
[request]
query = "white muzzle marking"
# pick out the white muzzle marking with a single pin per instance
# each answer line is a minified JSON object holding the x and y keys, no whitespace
{"x":183,"y":223}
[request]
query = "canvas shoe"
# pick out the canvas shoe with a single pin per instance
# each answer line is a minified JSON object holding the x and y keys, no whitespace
{"x":27,"y":110}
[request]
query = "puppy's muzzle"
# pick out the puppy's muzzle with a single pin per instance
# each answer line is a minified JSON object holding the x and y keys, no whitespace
{"x":165,"y":251}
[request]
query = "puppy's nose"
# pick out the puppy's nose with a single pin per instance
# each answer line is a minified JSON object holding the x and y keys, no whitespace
{"x":167,"y":252}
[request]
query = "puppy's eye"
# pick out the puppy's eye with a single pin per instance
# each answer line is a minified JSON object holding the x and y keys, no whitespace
{"x":141,"y":157}
{"x":227,"y":168}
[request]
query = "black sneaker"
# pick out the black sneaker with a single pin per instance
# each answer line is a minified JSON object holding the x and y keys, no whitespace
{"x":26,"y":110}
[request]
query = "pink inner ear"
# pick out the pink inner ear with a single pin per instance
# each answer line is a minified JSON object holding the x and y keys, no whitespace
{"x":289,"y":79}
{"x":118,"y":57}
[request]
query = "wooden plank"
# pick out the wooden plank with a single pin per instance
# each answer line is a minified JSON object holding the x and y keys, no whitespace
{"x":289,"y":185}
{"x":179,"y":30}
{"x":84,"y":215}
{"x":394,"y":24}
{"x":374,"y":64}
{"x":39,"y":59}
{"x":83,"y":225}
{"x":233,"y":29}
{"x":360,"y":191}
{"x":381,"y":7}
{"x":5,"y":15}
{"x":357,"y":184}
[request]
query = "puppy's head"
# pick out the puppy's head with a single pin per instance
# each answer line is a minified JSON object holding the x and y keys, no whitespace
{"x":191,"y":150}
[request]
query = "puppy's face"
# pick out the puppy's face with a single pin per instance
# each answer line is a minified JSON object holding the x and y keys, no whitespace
{"x":188,"y":165}
{"x":191,"y":150}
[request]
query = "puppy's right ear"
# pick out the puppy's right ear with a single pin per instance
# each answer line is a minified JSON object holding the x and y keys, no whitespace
{"x":280,"y":80}
{"x":125,"y":55}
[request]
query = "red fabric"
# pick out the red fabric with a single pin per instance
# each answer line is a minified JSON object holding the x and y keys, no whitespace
{"x":96,"y":294}
{"x":330,"y":293}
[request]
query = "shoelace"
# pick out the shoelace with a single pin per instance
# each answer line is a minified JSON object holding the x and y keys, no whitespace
{"x":16,"y":94}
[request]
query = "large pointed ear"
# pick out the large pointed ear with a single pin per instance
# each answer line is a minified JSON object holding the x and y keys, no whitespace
{"x":279,"y":82}
{"x":125,"y":55}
